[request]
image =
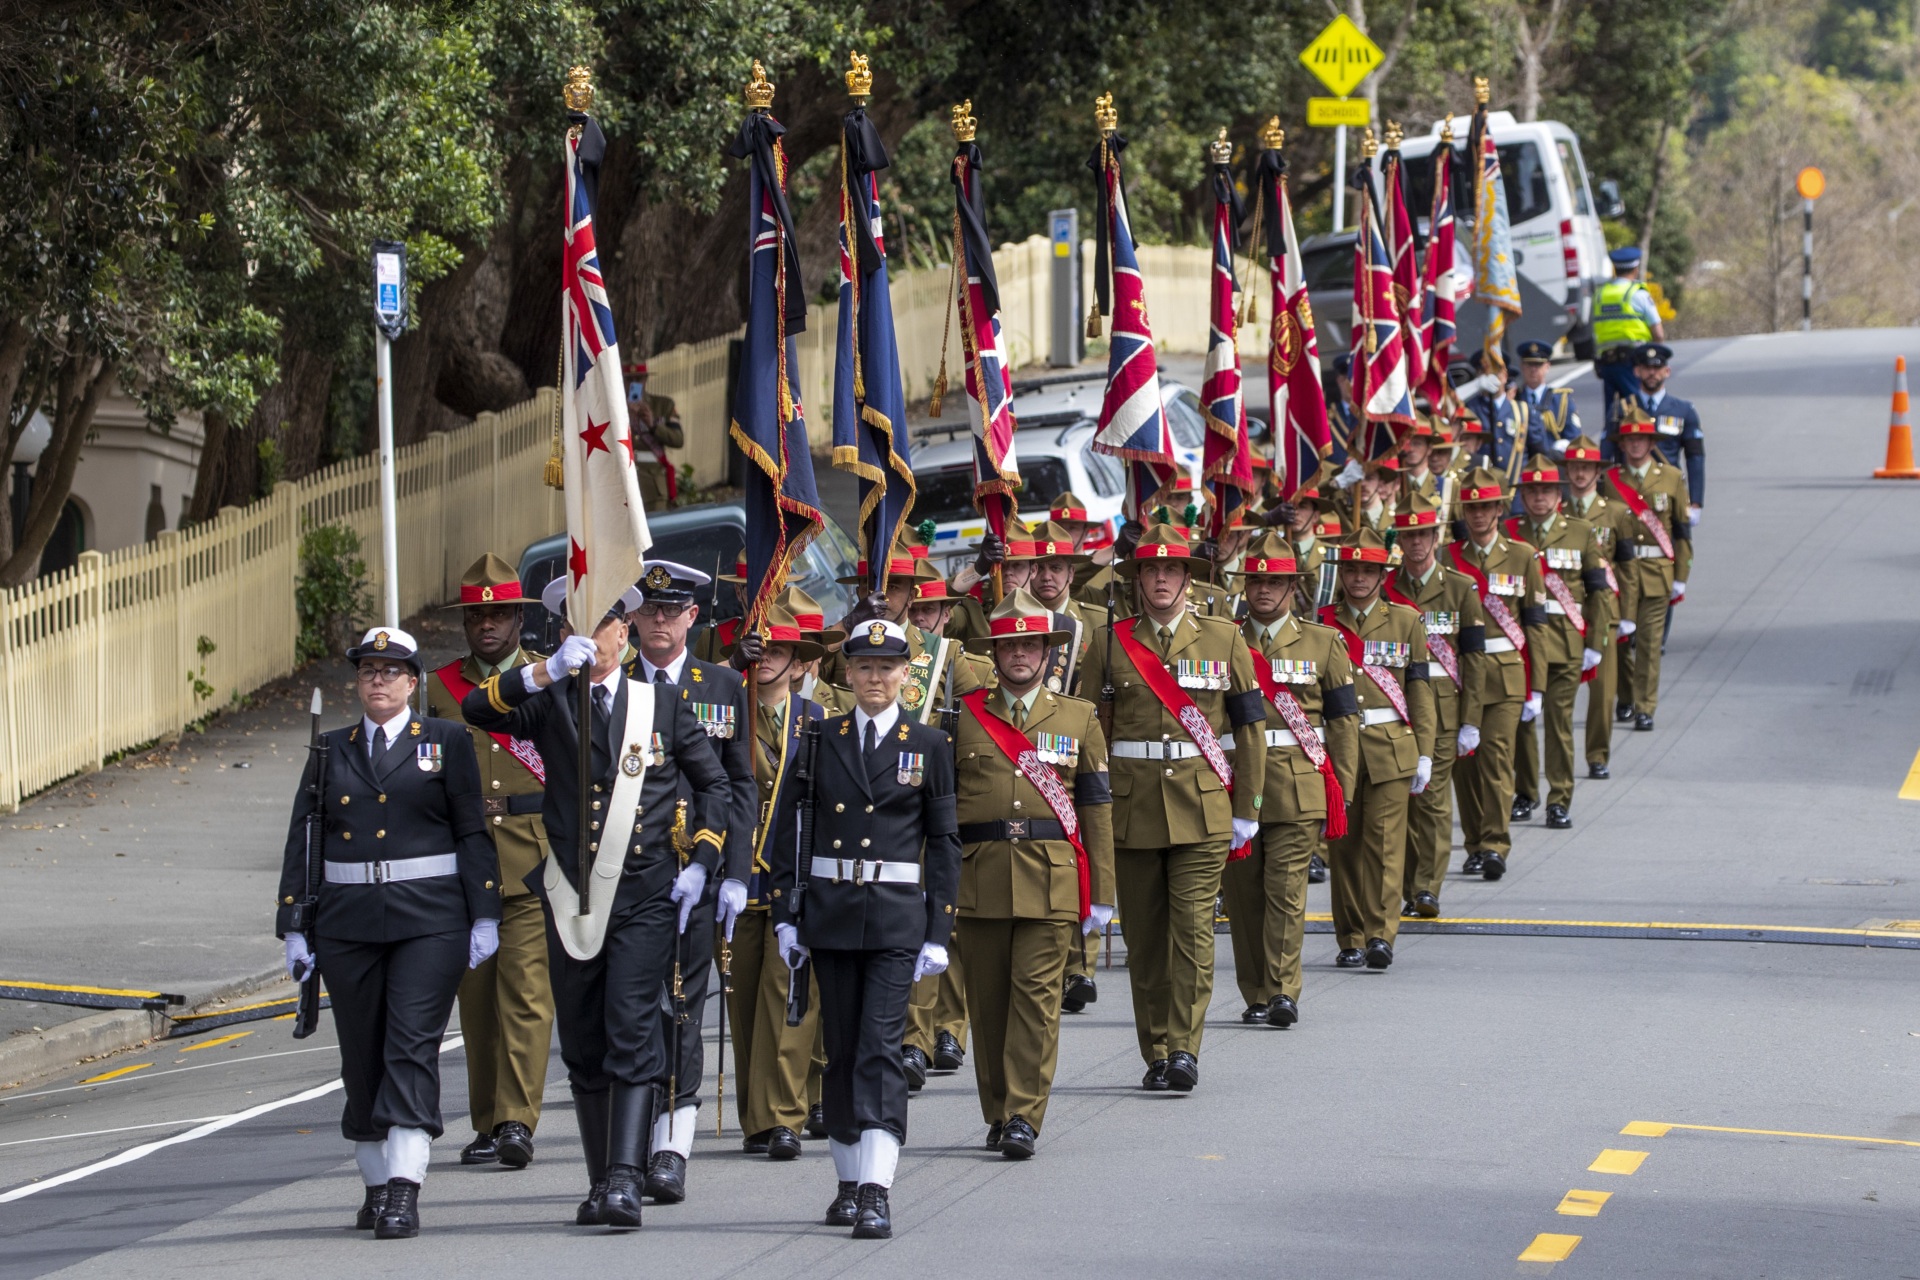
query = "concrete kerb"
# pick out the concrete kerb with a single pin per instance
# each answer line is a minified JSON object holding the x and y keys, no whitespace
{"x":24,"y":1059}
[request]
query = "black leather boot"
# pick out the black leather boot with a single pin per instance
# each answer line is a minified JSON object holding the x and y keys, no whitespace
{"x":399,"y":1217}
{"x":370,"y":1207}
{"x":590,"y":1109}
{"x":629,"y":1129}
{"x":873,"y":1217}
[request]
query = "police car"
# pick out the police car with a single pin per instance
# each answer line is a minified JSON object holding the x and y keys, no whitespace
{"x":1054,"y":447}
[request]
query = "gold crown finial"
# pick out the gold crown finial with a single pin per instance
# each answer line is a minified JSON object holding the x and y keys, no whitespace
{"x":1272,"y":136}
{"x":1369,"y":148}
{"x":1481,"y":91}
{"x":1446,"y":128}
{"x":859,"y":79}
{"x":1220,"y":149}
{"x":1104,"y":113}
{"x":579,"y":90}
{"x":963,"y":121}
{"x":1394,"y":135}
{"x":759,"y":90}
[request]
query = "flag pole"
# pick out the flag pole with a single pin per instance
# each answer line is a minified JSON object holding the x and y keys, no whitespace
{"x":578,"y":95}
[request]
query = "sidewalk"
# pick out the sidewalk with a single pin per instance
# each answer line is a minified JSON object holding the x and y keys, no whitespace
{"x":158,"y":872}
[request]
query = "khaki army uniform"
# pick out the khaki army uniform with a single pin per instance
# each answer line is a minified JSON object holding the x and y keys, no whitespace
{"x":663,"y":420}
{"x":1368,"y":863}
{"x":1317,"y":570}
{"x":1573,"y":553}
{"x":1613,"y":527}
{"x":1664,"y":489}
{"x":1172,"y":815}
{"x":1083,"y":959}
{"x":1019,"y":901}
{"x":506,"y":1005}
{"x":1483,"y":781}
{"x":1266,"y":891}
{"x":1450,"y":609}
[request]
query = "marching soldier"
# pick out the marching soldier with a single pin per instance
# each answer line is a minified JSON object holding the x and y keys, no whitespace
{"x":1313,"y":748}
{"x":1179,"y":805}
{"x":506,"y":1004}
{"x":772,"y":1059}
{"x":1662,"y":553}
{"x":656,"y":428}
{"x":1456,"y":646}
{"x":655,"y":771}
{"x":717,"y":696}
{"x":1546,"y":414}
{"x":716,"y":640}
{"x":1387,"y":645}
{"x":1614,"y":528}
{"x":870,"y":900}
{"x":1037,"y":862}
{"x":1316,"y":531}
{"x":1676,"y":423}
{"x":409,"y":902}
{"x":1506,"y":576}
{"x":810,"y":617}
{"x":1578,"y":608}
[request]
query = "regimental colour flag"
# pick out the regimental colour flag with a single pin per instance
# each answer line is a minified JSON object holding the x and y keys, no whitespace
{"x":1437,"y":282}
{"x":1228,"y":459}
{"x":1302,"y":437}
{"x":869,"y":404}
{"x":1494,"y":276}
{"x":1402,"y":251}
{"x":1380,"y":390}
{"x":769,"y":424}
{"x":607,"y":534}
{"x":1133,"y":421}
{"x":989,"y":377}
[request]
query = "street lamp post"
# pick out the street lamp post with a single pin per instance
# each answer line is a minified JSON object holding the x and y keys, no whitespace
{"x":389,"y":322}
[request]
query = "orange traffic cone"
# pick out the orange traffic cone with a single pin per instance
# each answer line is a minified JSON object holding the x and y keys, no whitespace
{"x":1899,"y":432}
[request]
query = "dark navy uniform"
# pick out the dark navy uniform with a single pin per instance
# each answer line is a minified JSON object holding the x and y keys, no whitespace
{"x":1549,"y":418}
{"x":1677,"y":435}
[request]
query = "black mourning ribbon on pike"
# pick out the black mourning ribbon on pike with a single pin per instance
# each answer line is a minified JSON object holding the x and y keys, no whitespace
{"x":972,"y":206}
{"x":1106,"y":151}
{"x":1269,"y":170}
{"x":758,"y":132}
{"x":1225,"y":193}
{"x":593,"y":149}
{"x":866,"y":154}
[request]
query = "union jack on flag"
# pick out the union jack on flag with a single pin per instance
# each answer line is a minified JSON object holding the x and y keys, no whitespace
{"x":1302,"y":437}
{"x":1380,"y":389}
{"x":607,"y":535}
{"x":1438,"y":282}
{"x":1406,"y":262}
{"x":1228,"y":459}
{"x":1133,"y":421}
{"x":989,"y":376}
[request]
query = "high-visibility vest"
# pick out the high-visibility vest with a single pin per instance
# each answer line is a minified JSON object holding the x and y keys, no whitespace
{"x":1616,"y":320}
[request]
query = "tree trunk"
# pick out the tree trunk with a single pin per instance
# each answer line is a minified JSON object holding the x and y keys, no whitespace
{"x":82,"y":381}
{"x":211,"y":469}
{"x":1532,"y":55}
{"x":1653,"y":197}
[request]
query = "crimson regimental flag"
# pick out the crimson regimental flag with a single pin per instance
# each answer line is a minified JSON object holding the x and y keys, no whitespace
{"x":1228,"y":459}
{"x":1302,"y":437}
{"x":1133,"y":421}
{"x":989,"y":374}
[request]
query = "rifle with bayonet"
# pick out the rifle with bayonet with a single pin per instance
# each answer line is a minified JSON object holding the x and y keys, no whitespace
{"x":306,"y":1010}
{"x":807,"y":774}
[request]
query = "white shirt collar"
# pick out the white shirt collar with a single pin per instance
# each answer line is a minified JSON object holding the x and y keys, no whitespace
{"x":674,"y":669}
{"x":1655,"y":399}
{"x":394,"y":727}
{"x":882,"y":723}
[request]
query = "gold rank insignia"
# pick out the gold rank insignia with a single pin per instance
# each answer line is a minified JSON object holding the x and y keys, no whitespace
{"x":877,"y":633}
{"x":658,"y":579}
{"x":632,"y":763}
{"x":380,"y":640}
{"x":415,"y":730}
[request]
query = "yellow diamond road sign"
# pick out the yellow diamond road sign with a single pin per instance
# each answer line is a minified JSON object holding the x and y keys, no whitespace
{"x":1341,"y":56}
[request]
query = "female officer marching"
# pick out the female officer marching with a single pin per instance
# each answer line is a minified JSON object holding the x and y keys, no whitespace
{"x":410,"y":901}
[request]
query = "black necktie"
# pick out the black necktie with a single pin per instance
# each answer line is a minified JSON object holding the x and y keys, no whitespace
{"x":660,"y":676}
{"x":603,"y":701}
{"x":873,"y":740}
{"x":379,"y":743}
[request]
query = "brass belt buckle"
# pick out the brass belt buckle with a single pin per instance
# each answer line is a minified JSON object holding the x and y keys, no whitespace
{"x":859,"y":871}
{"x":379,"y":872}
{"x":1016,"y":829}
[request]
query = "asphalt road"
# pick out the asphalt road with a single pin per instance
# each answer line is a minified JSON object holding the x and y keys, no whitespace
{"x":1429,"y":1121}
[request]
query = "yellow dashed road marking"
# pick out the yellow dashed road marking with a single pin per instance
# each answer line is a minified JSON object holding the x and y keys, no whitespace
{"x":1583,"y":1204}
{"x":208,"y":1044}
{"x":1654,"y":1129}
{"x":1621,"y":1162}
{"x":116,"y":1073}
{"x":1910,"y":789}
{"x":1549,"y":1247}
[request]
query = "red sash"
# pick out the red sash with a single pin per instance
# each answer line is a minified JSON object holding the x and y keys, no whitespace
{"x":1557,"y":588}
{"x":1356,"y":650}
{"x":1303,"y":731}
{"x":1014,"y":745}
{"x":523,"y":751}
{"x":1638,"y":505}
{"x":1161,"y":681}
{"x":1438,"y":646}
{"x":1496,"y":609}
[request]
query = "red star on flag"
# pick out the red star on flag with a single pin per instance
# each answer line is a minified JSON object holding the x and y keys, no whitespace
{"x":594,"y":436}
{"x":577,"y":561}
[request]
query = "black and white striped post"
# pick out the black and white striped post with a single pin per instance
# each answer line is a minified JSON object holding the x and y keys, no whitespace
{"x":1809,"y":183}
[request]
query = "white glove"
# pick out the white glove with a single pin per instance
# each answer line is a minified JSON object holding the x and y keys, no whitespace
{"x":1099,"y":916}
{"x":787,"y":939}
{"x":1469,"y":740}
{"x":1349,"y":475}
{"x":687,"y":888}
{"x":1627,"y":627}
{"x":300,"y":960}
{"x":1679,"y":593}
{"x":574,"y":651}
{"x":1532,"y":709}
{"x":931,"y":962}
{"x":1693,"y":514}
{"x":482,"y":942}
{"x":1589,"y":659}
{"x":1560,"y":448}
{"x":733,"y":900}
{"x":1245,"y":829}
{"x":1486,"y":382}
{"x":1422,"y":775}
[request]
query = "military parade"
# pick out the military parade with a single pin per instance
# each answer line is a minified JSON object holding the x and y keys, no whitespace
{"x":847,"y":803}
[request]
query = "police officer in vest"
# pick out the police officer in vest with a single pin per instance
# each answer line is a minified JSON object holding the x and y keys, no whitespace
{"x":659,"y":804}
{"x":717,"y":694}
{"x":409,"y":901}
{"x":1625,"y":318}
{"x":1546,"y":413}
{"x":872,"y":906}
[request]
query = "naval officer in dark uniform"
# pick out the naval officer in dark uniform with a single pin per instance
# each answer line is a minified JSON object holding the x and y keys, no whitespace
{"x":873,"y":906}
{"x":409,"y":902}
{"x":662,"y":826}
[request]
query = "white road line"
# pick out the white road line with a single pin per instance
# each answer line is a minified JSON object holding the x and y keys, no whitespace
{"x":225,"y":1062}
{"x":1584,"y":367}
{"x":96,"y":1133}
{"x":211,"y":1127}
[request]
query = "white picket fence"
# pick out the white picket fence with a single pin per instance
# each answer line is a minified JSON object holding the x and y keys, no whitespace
{"x":102,"y":657}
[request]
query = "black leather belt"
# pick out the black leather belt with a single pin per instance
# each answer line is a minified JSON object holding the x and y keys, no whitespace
{"x":500,"y":806}
{"x":1014,"y":829}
